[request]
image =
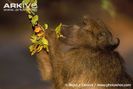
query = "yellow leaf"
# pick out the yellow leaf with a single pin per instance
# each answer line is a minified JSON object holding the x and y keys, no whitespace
{"x":46,"y":48}
{"x":39,"y":48}
{"x":58,"y":30}
{"x":33,"y":52}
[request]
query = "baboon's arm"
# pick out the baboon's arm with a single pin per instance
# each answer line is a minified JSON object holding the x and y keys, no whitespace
{"x":44,"y":64}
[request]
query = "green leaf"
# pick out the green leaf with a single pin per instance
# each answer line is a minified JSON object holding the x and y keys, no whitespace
{"x":108,"y":6}
{"x":45,"y":26}
{"x":44,"y":41}
{"x":33,"y":10}
{"x":27,"y":10}
{"x":46,"y":47}
{"x":25,"y":1}
{"x":30,"y":16}
{"x":34,"y":6}
{"x":31,"y":48}
{"x":34,"y":20}
{"x":31,"y":6}
{"x":33,"y":1}
{"x":58,"y":30}
{"x":33,"y":38}
{"x":29,"y":1}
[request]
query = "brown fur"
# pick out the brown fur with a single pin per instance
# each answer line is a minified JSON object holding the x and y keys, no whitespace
{"x":44,"y":65}
{"x":85,"y":55}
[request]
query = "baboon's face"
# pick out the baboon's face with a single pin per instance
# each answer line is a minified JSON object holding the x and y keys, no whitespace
{"x":90,"y":34}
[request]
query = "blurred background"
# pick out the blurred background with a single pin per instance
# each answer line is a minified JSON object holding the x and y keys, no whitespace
{"x":18,"y":70}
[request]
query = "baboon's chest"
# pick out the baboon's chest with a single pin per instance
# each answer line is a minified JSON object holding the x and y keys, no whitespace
{"x":93,"y":67}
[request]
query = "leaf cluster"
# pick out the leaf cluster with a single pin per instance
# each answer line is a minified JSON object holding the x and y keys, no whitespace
{"x":38,"y":39}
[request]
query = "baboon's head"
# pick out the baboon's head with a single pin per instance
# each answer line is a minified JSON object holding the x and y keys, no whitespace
{"x":89,"y":34}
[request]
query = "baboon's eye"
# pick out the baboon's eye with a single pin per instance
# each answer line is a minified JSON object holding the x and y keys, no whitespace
{"x":101,"y":35}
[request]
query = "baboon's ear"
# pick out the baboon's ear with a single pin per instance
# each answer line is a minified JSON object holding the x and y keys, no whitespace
{"x":87,"y":20}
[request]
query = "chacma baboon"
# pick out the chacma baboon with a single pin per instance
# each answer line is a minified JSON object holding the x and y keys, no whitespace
{"x":84,"y":58}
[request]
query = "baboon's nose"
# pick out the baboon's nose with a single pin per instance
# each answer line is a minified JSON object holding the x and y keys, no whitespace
{"x":115,"y":43}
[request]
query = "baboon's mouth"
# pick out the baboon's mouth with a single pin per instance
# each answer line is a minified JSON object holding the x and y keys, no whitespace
{"x":68,"y":30}
{"x":64,"y":33}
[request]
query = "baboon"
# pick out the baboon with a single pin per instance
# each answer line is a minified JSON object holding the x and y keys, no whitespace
{"x":86,"y":55}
